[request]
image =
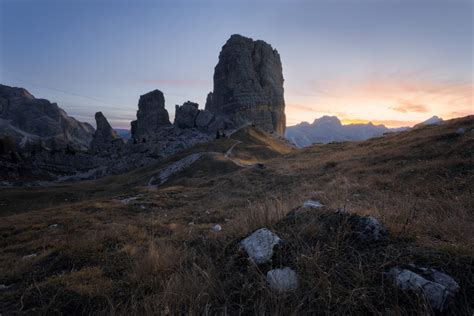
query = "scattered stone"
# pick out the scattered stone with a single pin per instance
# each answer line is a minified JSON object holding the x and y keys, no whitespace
{"x":30,"y":256}
{"x":460,"y":131}
{"x":259,"y":245}
{"x":368,"y":228}
{"x":342,"y":210}
{"x":313,"y":204}
{"x":437,"y":287}
{"x":248,"y":85}
{"x":282,"y":280}
{"x":53,"y":226}
{"x":129,"y":200}
{"x":216,"y":228}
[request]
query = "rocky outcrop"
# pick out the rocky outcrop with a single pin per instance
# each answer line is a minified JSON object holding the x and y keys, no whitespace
{"x":105,"y":138}
{"x":248,"y":85}
{"x":189,"y":116}
{"x":185,"y":115}
{"x":204,"y":119}
{"x":26,"y":119}
{"x":438,"y":288}
{"x":151,"y":115}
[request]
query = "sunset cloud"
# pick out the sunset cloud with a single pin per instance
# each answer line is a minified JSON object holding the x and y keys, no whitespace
{"x":177,"y":82}
{"x":407,"y":106}
{"x":390,"y":100}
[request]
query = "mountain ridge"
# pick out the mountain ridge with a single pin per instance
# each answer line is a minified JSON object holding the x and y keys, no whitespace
{"x":328,"y":129}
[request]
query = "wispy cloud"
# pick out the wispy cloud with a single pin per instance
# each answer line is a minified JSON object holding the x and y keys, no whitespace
{"x":462,"y":112}
{"x":408,"y":106}
{"x":301,"y":107}
{"x":176,"y":82}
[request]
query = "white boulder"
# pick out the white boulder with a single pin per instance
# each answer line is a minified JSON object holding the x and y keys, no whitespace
{"x":216,"y":228}
{"x":259,"y":245}
{"x":282,"y":280}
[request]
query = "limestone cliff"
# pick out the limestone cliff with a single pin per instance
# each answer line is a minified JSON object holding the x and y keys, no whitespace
{"x":248,"y":85}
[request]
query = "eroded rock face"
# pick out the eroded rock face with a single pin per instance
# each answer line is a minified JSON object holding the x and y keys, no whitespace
{"x":105,"y":138}
{"x":29,"y":120}
{"x":151,"y":115}
{"x":204,"y":119}
{"x":185,"y":115}
{"x":248,"y":85}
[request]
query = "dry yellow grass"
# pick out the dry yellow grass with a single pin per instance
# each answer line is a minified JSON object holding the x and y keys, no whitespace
{"x":156,"y":254}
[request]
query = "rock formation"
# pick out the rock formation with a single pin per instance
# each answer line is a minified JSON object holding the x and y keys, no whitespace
{"x":27,"y":120}
{"x":151,"y":115}
{"x":204,"y":119}
{"x":248,"y":85}
{"x":105,"y":138}
{"x":185,"y":115}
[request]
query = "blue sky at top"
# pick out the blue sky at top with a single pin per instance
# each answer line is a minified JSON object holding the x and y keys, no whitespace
{"x":391,"y":61}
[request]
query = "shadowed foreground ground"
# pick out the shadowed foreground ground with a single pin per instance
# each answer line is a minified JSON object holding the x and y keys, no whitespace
{"x":115,"y":245}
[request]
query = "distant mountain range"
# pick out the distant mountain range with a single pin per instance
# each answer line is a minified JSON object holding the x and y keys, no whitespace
{"x":328,"y":129}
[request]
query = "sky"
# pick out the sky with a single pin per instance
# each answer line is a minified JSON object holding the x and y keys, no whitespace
{"x":392,"y":62}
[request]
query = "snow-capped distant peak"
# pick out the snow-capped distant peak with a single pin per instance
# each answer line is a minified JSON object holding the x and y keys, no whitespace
{"x":433,"y":120}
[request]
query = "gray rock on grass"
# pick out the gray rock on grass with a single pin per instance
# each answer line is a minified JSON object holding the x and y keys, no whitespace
{"x":259,"y":245}
{"x":369,"y":228}
{"x":216,"y":228}
{"x":313,"y":204}
{"x":282,"y":280}
{"x":437,"y":287}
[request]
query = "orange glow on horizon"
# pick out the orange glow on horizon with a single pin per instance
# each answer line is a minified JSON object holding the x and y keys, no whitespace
{"x":394,"y":103}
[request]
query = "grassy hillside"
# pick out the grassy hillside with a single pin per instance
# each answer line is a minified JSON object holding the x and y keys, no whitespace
{"x":117,"y":245}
